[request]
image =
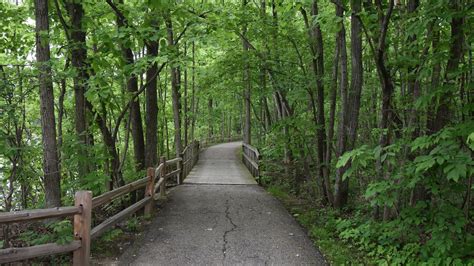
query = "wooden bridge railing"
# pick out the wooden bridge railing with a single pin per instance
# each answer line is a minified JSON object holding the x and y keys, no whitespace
{"x":218,"y":139}
{"x":190,"y":156}
{"x":84,"y":204}
{"x":251,"y":158}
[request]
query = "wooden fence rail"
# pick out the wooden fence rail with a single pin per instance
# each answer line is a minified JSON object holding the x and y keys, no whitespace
{"x":84,"y":204}
{"x":251,"y":158}
{"x":218,"y":139}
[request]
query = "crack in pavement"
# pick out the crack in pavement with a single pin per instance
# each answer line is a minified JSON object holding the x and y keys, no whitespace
{"x":234,"y":226}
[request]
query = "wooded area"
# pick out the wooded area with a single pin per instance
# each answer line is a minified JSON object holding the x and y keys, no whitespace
{"x":362,"y":107}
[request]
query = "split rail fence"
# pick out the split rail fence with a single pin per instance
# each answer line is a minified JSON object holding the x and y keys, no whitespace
{"x":155,"y":187}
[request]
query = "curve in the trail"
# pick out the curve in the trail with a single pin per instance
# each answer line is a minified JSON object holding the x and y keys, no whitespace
{"x":221,"y":217}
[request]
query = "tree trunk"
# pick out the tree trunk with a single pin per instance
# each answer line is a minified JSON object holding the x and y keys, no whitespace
{"x":185,"y":101}
{"x":193,"y":92}
{"x":151,"y":116}
{"x":386,"y":84}
{"x":132,"y":87}
{"x":109,"y":141}
{"x":52,"y":175}
{"x":174,"y":88}
{"x":210,"y":120}
{"x":247,"y":84}
{"x":352,"y":101}
{"x":79,"y":62}
{"x":332,"y":105}
{"x":341,"y":187}
{"x":317,"y":52}
{"x":444,"y":113}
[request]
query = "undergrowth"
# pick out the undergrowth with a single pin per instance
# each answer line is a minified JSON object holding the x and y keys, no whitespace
{"x":321,"y":226}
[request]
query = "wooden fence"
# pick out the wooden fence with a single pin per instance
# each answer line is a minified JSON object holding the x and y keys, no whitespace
{"x":84,"y":204}
{"x":251,"y":158}
{"x":190,"y":156}
{"x":218,"y":139}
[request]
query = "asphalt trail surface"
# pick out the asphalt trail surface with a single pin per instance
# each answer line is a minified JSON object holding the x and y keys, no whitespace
{"x":220,"y":216}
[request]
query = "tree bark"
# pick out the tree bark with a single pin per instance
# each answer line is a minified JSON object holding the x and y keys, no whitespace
{"x":116,"y":178}
{"x":317,"y":52}
{"x":174,"y":87}
{"x":341,"y":187}
{"x":132,"y":87}
{"x":247,"y":84}
{"x":193,"y":92}
{"x":386,"y":83}
{"x":185,"y":101}
{"x":79,"y":62}
{"x":151,"y":116}
{"x":352,"y":101}
{"x":443,"y":112}
{"x":52,"y":175}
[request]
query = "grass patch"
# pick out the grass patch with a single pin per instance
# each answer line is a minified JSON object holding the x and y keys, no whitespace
{"x":321,"y":225}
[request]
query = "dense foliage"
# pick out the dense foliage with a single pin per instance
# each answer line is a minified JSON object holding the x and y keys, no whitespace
{"x":363,"y":108}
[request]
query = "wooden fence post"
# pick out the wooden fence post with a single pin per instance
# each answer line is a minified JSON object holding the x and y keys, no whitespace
{"x":258,"y":169}
{"x":180,"y":175}
{"x":162,"y":174}
{"x":198,"y":144}
{"x":150,"y":190}
{"x":82,"y":228}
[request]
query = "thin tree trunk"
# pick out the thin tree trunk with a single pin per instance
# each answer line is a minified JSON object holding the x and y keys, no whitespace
{"x":174,"y":88}
{"x":185,"y":101}
{"x":151,"y":114}
{"x":332,"y":105}
{"x":132,"y":87}
{"x":341,"y":186}
{"x":193,"y":92}
{"x":317,"y":52}
{"x":62,"y":93}
{"x":210,"y":129}
{"x":352,"y":100}
{"x":247,"y":138}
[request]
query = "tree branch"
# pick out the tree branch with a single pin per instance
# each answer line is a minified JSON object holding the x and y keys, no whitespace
{"x":118,"y":12}
{"x":134,"y":97}
{"x":61,"y":19}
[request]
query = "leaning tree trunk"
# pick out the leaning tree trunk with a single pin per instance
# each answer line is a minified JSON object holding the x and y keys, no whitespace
{"x":52,"y":175}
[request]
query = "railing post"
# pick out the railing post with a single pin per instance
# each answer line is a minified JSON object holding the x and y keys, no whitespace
{"x":258,"y":169}
{"x":180,"y":175}
{"x":82,"y":227}
{"x":198,"y":144}
{"x":162,"y":174}
{"x":150,"y":190}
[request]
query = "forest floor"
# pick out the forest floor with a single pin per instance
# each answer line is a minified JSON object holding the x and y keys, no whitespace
{"x":321,"y":227}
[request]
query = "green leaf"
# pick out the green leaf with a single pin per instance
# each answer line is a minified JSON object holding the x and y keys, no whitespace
{"x":343,"y":159}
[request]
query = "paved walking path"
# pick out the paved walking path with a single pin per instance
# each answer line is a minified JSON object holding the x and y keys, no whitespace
{"x":220,"y":216}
